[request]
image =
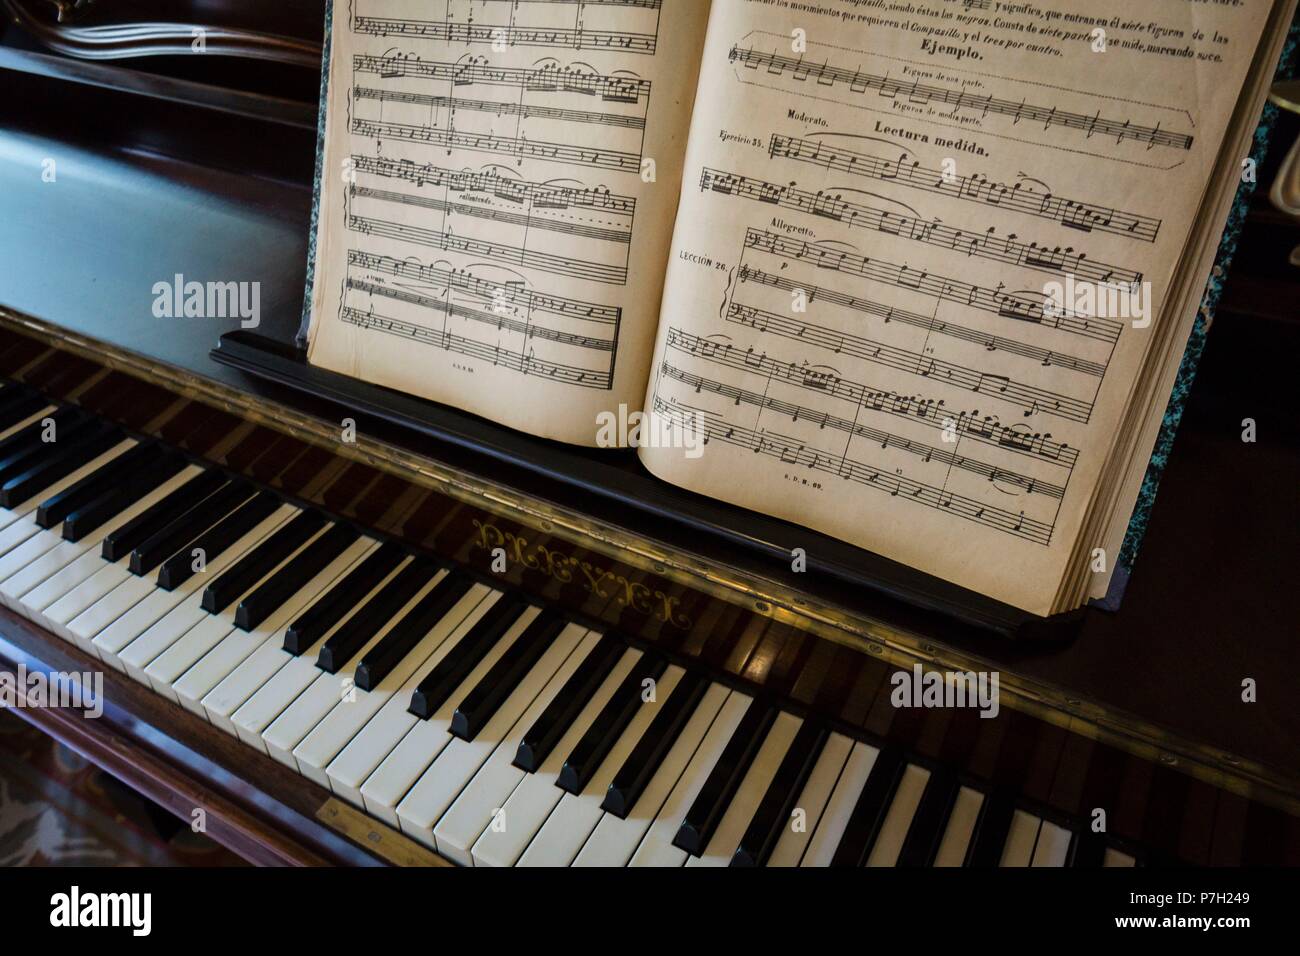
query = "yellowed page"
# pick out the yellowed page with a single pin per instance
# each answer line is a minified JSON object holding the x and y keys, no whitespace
{"x":880,"y":202}
{"x":499,"y":185}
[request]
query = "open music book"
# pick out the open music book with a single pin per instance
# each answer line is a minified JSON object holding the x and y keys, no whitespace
{"x":917,"y":274}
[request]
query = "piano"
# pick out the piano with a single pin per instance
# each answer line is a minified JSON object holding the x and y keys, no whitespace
{"x":351,"y":629}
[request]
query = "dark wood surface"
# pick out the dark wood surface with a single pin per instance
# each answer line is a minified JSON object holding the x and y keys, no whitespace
{"x":142,"y":196}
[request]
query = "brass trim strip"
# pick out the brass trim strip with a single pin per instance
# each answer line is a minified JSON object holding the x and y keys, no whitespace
{"x":898,"y":647}
{"x":375,"y":836}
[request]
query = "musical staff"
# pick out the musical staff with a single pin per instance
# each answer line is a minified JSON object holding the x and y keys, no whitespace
{"x":510,"y":294}
{"x":505,"y":218}
{"x":991,"y":343}
{"x":511,"y":34}
{"x":524,"y":363}
{"x":517,"y":191}
{"x":934,"y":232}
{"x":485,"y":249}
{"x":1020,"y":308}
{"x":926,"y":453}
{"x":793,"y":452}
{"x":497,"y":319}
{"x":536,"y":333}
{"x":999,"y":387}
{"x":858,"y":82}
{"x":499,"y":109}
{"x":516,"y":146}
{"x":915,"y":408}
{"x":547,"y":79}
{"x":974,"y":187}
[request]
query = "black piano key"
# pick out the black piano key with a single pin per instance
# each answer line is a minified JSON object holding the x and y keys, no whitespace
{"x":344,"y":643}
{"x":931,"y":818}
{"x":990,"y":836}
{"x":70,"y":457}
{"x":411,"y":629}
{"x":112,"y":502}
{"x":259,"y":562}
{"x":189,"y":526}
{"x":706,"y":812}
{"x":634,"y":776}
{"x":560,"y":714}
{"x":53,"y":510}
{"x":774,"y":811}
{"x":121,"y":541}
{"x":317,"y":620}
{"x":20,"y":406}
{"x":1087,"y":849}
{"x":313,"y":559}
{"x":33,"y":451}
{"x":504,"y":676}
{"x":12,"y":393}
{"x":30,"y":439}
{"x":872,"y":806}
{"x":447,"y":675}
{"x":179,"y":568}
{"x":581,"y":765}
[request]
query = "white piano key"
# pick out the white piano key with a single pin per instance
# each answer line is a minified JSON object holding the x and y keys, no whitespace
{"x":224,"y":700}
{"x":19,"y":530}
{"x":1053,"y":845}
{"x":298,"y":673}
{"x":839,"y":810}
{"x":178,"y":657}
{"x":326,"y":691}
{"x":656,"y":848}
{"x":571,"y":823}
{"x":238,"y":645}
{"x":162,"y":634}
{"x":960,"y":827}
{"x":393,"y":778}
{"x":169,"y":665}
{"x":337,"y":727}
{"x":812,"y":800}
{"x":23,"y":556}
{"x":40,"y":556}
{"x":1117,"y":858}
{"x":319,"y":748}
{"x":615,"y":840}
{"x":471,"y":813}
{"x":89,"y":593}
{"x":357,"y":762}
{"x":88,"y":560}
{"x":1019,"y":848}
{"x":524,"y":813}
{"x":722,"y":847}
{"x":435,"y":791}
{"x":23,"y":541}
{"x":898,"y":818}
{"x":123,"y":615}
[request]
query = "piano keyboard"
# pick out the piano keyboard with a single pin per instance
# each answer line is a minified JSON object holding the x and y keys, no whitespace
{"x":488,"y":727}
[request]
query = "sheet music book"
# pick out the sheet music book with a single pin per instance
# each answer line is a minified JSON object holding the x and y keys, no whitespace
{"x":917,"y":275}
